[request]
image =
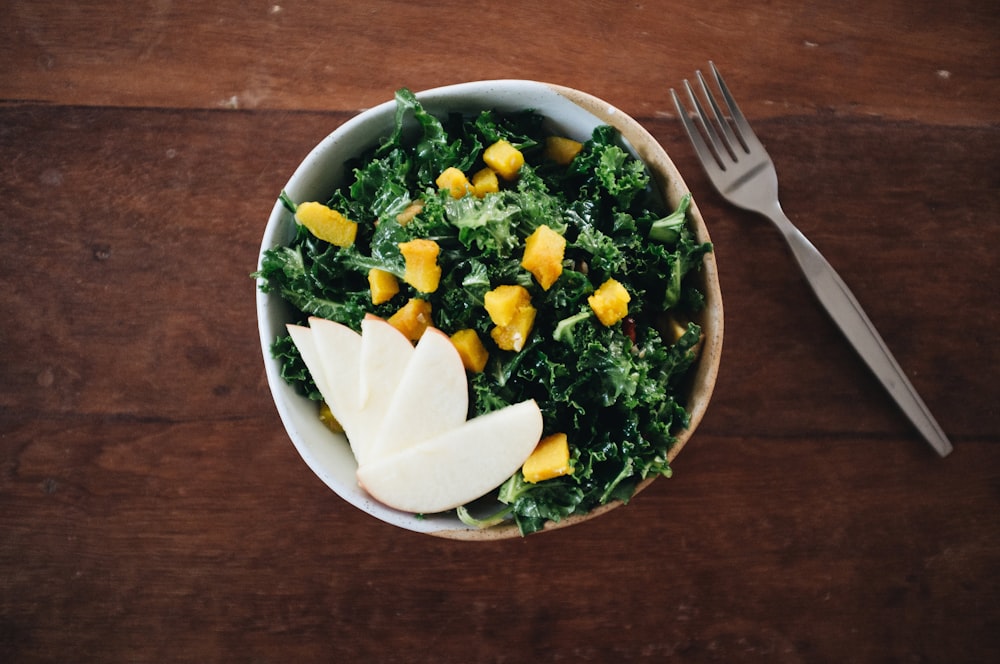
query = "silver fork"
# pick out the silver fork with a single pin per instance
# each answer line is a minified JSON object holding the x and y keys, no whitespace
{"x":743,"y":173}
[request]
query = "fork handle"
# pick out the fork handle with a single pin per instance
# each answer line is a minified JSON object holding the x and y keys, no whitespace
{"x":847,"y":313}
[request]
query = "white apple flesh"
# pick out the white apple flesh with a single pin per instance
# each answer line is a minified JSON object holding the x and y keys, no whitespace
{"x":457,"y":466}
{"x":432,"y":397}
{"x":303,"y":339}
{"x":385,"y":354}
{"x":339,"y":350}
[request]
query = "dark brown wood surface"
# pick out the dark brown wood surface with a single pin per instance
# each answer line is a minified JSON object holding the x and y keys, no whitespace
{"x":152,"y":508}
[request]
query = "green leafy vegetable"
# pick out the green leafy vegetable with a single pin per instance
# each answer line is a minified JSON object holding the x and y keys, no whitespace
{"x":668,"y":229}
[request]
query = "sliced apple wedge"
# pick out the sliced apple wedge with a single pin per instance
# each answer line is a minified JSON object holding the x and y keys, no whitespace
{"x":338,"y":348}
{"x":458,"y":466}
{"x":303,"y":339}
{"x":431,"y":398}
{"x":385,"y":352}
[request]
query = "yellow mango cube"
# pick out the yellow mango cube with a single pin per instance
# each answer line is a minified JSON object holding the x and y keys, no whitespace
{"x":676,"y":329}
{"x":503,"y":302}
{"x":328,"y":420}
{"x":673,"y":329}
{"x":515,"y":333}
{"x":383,"y":285}
{"x":562,"y":150}
{"x":550,"y":459}
{"x":326,"y":224}
{"x":470,"y":348}
{"x":422,"y":271}
{"x":610,"y":302}
{"x":411,"y":211}
{"x":509,"y":307}
{"x":484,"y":181}
{"x":543,"y":255}
{"x":504,"y":159}
{"x":454,"y":181}
{"x":412,"y":319}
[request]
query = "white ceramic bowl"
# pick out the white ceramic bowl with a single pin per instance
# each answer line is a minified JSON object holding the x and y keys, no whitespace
{"x":571,"y":113}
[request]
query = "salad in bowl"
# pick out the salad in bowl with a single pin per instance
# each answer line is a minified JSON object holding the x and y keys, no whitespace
{"x":488,"y":309}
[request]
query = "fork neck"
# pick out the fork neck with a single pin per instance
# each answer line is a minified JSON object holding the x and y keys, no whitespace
{"x":774,"y":212}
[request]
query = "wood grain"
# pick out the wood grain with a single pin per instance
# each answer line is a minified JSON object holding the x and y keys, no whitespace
{"x":153,"y":509}
{"x":895,"y":59}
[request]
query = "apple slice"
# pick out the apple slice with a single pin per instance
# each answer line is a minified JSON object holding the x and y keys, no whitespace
{"x":338,"y":348}
{"x":385,"y":352}
{"x":432,"y":397}
{"x":303,"y":339}
{"x":457,"y":466}
{"x":384,"y":355}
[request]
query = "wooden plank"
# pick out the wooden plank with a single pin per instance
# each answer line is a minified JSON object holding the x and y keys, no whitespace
{"x":210,"y":540}
{"x":899,"y":59}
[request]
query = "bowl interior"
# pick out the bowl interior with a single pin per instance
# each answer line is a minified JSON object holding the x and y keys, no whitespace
{"x":570,"y":113}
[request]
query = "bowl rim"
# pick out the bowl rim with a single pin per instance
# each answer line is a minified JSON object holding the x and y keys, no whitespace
{"x":316,"y":173}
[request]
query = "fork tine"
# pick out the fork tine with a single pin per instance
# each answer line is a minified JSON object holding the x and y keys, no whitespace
{"x":745,"y":134}
{"x":728,"y":138}
{"x":705,"y":153}
{"x":716,"y":145}
{"x":706,"y":125}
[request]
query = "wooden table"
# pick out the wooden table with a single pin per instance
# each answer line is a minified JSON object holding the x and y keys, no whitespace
{"x":152,"y":508}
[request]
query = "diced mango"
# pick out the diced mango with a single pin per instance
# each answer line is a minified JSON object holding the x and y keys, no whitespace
{"x":503,"y":302}
{"x":454,"y":181}
{"x":383,"y":285}
{"x":327,"y":418}
{"x":412,"y":319}
{"x":509,"y":307}
{"x":326,"y":224}
{"x":562,"y":150}
{"x":610,"y":302}
{"x":514,"y":334}
{"x":422,"y":271}
{"x":470,"y":349}
{"x":411,"y":211}
{"x":675,"y":328}
{"x":543,"y":255}
{"x":504,"y":159}
{"x":484,"y":181}
{"x":550,"y":459}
